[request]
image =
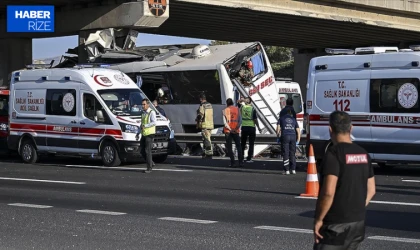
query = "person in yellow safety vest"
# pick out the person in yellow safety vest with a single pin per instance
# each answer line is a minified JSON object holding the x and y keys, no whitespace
{"x":232,"y":120}
{"x":148,"y":131}
{"x":205,"y":123}
{"x":249,"y":120}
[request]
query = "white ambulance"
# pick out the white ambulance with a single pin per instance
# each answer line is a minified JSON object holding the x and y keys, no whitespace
{"x":289,"y":89}
{"x":379,"y":88}
{"x":79,"y":112}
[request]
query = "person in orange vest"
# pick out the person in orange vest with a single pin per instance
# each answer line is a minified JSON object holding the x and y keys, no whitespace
{"x":232,"y":120}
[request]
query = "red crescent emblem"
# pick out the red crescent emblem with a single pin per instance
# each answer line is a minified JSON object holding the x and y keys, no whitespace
{"x":102,"y":83}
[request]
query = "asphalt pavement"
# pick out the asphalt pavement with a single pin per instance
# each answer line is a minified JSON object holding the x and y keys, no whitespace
{"x":186,"y":203}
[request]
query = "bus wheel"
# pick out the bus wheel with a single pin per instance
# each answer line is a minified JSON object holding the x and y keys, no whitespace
{"x":28,"y":151}
{"x":109,"y":155}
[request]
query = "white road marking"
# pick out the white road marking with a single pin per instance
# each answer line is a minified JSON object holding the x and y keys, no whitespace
{"x":28,"y":205}
{"x":37,"y":180}
{"x":305,"y":197}
{"x":377,"y":202}
{"x":188,"y":220}
{"x":99,"y":212}
{"x":127,"y":168}
{"x":386,"y":238}
{"x":286,"y":229}
{"x":411,"y":180}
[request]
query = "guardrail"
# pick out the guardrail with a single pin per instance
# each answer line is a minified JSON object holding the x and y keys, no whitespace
{"x":220,"y":138}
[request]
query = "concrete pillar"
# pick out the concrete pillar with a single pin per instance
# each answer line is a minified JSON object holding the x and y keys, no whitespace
{"x":302,"y":59}
{"x":15,"y":53}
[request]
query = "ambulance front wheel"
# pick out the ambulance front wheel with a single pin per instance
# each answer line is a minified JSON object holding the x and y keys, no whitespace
{"x":159,"y":158}
{"x":28,"y":151}
{"x":109,"y":154}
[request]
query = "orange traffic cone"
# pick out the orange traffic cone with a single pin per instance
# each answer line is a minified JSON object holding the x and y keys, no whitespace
{"x":312,"y":185}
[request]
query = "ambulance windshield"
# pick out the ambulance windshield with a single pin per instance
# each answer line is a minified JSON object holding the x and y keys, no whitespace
{"x":297,"y":102}
{"x":124,"y":102}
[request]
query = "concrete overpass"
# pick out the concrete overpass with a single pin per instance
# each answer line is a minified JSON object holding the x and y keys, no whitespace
{"x":308,"y":25}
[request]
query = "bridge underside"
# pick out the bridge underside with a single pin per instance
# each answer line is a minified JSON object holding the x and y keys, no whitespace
{"x":242,"y":25}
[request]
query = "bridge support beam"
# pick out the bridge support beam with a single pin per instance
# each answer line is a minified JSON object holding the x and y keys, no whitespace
{"x":15,"y":53}
{"x":302,"y":59}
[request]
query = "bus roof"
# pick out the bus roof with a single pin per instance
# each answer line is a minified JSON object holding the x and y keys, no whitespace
{"x":175,"y":62}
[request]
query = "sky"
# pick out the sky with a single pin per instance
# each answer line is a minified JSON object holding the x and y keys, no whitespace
{"x":57,"y":46}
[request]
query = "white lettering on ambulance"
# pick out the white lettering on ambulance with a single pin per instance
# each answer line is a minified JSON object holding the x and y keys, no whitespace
{"x":356,"y":158}
{"x":392,"y":119}
{"x":62,"y":129}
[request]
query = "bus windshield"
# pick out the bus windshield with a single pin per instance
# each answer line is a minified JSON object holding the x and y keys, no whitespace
{"x":124,"y":102}
{"x":297,"y":101}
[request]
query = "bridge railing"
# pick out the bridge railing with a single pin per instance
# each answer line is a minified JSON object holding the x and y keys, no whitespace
{"x":220,"y":138}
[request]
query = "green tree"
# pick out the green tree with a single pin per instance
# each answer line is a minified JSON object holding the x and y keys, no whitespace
{"x":279,"y":54}
{"x":216,"y":42}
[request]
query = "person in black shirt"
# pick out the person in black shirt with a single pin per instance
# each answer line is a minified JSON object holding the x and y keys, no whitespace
{"x":347,"y":184}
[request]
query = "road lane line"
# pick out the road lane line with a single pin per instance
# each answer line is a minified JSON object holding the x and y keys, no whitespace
{"x":376,"y":202}
{"x":188,"y":220}
{"x":37,"y":180}
{"x":127,"y":168}
{"x":386,"y":238}
{"x":286,"y":229}
{"x":28,"y":205}
{"x":99,"y":212}
{"x":411,"y":180}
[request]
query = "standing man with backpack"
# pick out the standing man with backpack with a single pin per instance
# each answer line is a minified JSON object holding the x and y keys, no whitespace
{"x":288,"y":129}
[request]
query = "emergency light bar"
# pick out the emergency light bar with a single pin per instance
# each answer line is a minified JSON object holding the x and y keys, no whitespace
{"x":415,"y":47}
{"x":339,"y":51}
{"x":38,"y":66}
{"x":283,"y":79}
{"x":375,"y":50}
{"x":92,"y":65}
{"x":406,"y":50}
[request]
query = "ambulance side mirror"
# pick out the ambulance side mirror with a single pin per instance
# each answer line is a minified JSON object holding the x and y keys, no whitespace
{"x":99,"y":118}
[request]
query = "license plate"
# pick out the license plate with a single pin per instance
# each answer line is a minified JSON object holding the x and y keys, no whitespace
{"x":158,"y":145}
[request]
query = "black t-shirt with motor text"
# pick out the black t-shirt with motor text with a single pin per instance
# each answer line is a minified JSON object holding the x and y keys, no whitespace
{"x":352,"y":165}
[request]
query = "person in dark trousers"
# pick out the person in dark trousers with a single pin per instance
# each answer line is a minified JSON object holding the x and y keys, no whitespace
{"x":232,"y":123}
{"x":347,"y":184}
{"x":284,"y":111}
{"x":148,"y":131}
{"x":249,"y":121}
{"x":159,"y":109}
{"x":288,"y":130}
{"x":205,"y":123}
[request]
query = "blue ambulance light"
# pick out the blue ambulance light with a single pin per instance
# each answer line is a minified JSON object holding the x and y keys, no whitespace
{"x":92,"y":65}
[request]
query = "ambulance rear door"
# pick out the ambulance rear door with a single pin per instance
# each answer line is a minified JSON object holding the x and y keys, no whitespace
{"x":343,"y":86}
{"x":395,"y":108}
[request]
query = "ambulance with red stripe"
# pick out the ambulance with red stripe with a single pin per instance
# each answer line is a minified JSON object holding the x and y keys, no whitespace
{"x":4,"y":117}
{"x":379,"y":88}
{"x":289,"y":89}
{"x":94,"y":112}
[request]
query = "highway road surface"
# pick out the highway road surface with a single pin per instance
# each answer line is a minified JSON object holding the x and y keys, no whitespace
{"x":186,"y":203}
